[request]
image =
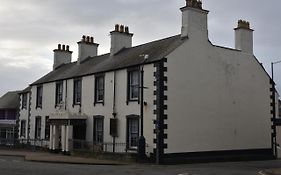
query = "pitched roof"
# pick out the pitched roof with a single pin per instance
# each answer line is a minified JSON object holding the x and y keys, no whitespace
{"x":26,"y":90}
{"x":126,"y":57}
{"x":10,"y":100}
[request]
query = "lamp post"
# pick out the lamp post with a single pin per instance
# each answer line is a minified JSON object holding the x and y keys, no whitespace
{"x":274,"y":144}
{"x":141,"y":142}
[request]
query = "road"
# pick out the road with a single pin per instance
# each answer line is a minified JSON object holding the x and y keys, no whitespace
{"x":17,"y":166}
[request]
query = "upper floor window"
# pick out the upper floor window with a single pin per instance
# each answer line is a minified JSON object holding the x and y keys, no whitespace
{"x":39,"y":96}
{"x":59,"y":92}
{"x":99,"y":89}
{"x":77,"y":91}
{"x":24,"y":101}
{"x":133,"y":84}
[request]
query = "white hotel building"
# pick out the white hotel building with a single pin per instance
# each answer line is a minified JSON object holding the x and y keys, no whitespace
{"x":200,"y":100}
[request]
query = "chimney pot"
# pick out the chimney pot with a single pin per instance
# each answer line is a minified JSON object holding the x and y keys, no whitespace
{"x":117,"y":28}
{"x":243,"y":24}
{"x":63,"y":47}
{"x":127,"y":29}
{"x":67,"y":47}
{"x":122,"y":29}
{"x":83,"y":38}
{"x":92,"y":39}
{"x":59,"y":46}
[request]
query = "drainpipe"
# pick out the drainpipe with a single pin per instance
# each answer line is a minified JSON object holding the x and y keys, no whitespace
{"x":114,"y":107}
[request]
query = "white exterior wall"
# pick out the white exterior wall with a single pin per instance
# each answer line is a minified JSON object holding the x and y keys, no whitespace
{"x":219,"y":98}
{"x":89,"y":109}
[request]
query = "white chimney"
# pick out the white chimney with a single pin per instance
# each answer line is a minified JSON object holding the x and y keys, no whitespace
{"x":194,"y":20}
{"x":244,"y":37}
{"x":86,"y":48}
{"x":120,"y":38}
{"x":62,"y":55}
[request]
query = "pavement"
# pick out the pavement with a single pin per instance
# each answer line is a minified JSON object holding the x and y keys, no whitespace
{"x":271,"y":172}
{"x":57,"y":158}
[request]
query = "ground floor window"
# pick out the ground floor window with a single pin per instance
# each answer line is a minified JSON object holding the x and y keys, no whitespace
{"x":132,"y":131}
{"x":47,"y":128}
{"x":98,"y":129}
{"x":23,"y":128}
{"x":38,"y":127}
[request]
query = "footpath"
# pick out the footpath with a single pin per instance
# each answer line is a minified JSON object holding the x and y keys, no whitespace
{"x":57,"y":158}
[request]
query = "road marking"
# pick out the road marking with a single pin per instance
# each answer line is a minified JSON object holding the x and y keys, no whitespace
{"x":2,"y":160}
{"x":261,"y":173}
{"x":15,"y":161}
{"x":184,"y":174}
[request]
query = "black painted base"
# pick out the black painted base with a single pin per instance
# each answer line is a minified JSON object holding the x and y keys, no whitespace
{"x":56,"y":151}
{"x":218,"y":156}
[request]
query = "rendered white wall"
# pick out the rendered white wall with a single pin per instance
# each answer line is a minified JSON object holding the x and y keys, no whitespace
{"x":219,"y":98}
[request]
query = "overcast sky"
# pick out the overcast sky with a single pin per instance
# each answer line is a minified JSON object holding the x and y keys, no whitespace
{"x":31,"y":29}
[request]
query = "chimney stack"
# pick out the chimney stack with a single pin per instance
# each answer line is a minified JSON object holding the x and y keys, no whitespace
{"x":86,"y":48}
{"x":120,"y":38}
{"x":62,"y":55}
{"x":194,"y":20}
{"x":244,"y":37}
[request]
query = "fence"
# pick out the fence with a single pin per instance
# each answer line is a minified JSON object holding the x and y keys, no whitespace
{"x":82,"y":145}
{"x":24,"y":143}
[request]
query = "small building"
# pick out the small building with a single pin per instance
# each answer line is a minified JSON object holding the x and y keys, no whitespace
{"x":200,"y":100}
{"x":9,"y":108}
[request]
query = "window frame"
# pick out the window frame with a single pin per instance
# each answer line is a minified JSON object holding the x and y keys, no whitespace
{"x":24,"y":101}
{"x":130,"y":84}
{"x":23,"y":128}
{"x":129,"y":143}
{"x":99,"y":89}
{"x":96,"y":132}
{"x":38,"y":127}
{"x":59,"y":93}
{"x":39,"y":96}
{"x":76,"y":92}
{"x":47,"y":128}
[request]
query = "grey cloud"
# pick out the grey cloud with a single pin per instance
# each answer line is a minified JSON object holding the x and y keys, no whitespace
{"x":41,"y":25}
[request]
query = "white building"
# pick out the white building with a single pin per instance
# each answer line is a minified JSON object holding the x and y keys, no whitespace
{"x":200,"y":100}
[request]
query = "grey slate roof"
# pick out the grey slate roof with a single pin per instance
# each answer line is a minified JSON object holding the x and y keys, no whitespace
{"x":10,"y":100}
{"x":126,"y":57}
{"x":26,"y":90}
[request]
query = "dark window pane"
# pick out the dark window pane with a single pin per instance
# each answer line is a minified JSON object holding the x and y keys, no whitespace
{"x":37,"y":127}
{"x":134,"y":85}
{"x":99,"y":88}
{"x":77,"y":91}
{"x":98,"y":130}
{"x":23,"y":128}
{"x":133,"y":129}
{"x":39,"y":96}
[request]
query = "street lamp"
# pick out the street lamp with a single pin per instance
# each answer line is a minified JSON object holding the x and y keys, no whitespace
{"x":274,"y":144}
{"x":141,"y":142}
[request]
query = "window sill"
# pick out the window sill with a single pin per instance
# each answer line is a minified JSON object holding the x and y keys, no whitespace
{"x":99,"y":102}
{"x":132,"y":100}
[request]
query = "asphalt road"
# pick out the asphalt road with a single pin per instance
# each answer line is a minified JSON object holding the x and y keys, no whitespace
{"x":17,"y":166}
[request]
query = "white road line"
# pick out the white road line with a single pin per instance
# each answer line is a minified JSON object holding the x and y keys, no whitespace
{"x":261,"y":173}
{"x":15,"y":161}
{"x":2,"y":160}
